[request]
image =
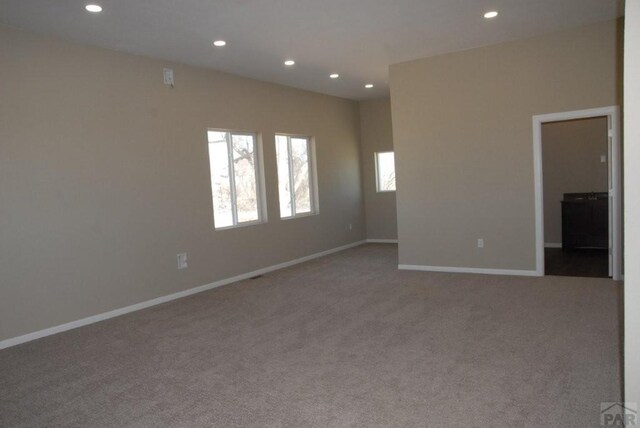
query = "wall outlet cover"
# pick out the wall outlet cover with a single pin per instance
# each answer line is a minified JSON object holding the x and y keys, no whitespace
{"x":182,"y":261}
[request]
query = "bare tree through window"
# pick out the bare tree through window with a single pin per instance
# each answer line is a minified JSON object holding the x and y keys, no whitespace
{"x":294,"y":175}
{"x":234,"y":180}
{"x":385,"y":172}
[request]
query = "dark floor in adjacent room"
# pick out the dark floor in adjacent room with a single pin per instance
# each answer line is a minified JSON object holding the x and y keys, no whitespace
{"x":345,"y":340}
{"x":593,"y":263}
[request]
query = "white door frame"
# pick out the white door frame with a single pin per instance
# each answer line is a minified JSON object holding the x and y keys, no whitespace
{"x":615,"y":181}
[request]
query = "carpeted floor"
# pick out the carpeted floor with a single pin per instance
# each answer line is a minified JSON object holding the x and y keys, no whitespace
{"x":346,"y":340}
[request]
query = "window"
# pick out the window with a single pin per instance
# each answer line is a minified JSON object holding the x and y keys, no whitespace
{"x":236,"y":179}
{"x":385,"y":172}
{"x":296,"y":176}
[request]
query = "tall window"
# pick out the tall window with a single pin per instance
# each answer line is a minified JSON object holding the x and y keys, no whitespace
{"x":385,"y":172}
{"x":236,"y":179}
{"x":296,"y":176}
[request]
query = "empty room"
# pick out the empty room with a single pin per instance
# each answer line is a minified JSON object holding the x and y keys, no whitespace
{"x":419,"y":213}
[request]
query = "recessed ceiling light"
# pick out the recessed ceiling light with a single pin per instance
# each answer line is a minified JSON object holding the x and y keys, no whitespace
{"x":334,"y":75}
{"x":93,"y":8}
{"x":289,"y":62}
{"x":369,"y":85}
{"x":219,"y":43}
{"x":491,"y":14}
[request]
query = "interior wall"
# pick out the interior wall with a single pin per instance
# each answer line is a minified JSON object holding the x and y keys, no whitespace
{"x":632,"y":203}
{"x":376,"y":135}
{"x":462,"y":125}
{"x":104,"y":178}
{"x":571,"y":163}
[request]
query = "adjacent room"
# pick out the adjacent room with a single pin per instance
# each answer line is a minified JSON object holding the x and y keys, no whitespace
{"x":576,"y":174}
{"x":319,"y":214}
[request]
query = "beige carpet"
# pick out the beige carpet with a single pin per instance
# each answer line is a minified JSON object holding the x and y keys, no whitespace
{"x":347,"y":340}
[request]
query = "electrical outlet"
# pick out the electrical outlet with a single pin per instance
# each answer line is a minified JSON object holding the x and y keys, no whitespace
{"x":182,"y":261}
{"x":167,"y":73}
{"x":480,"y":243}
{"x":350,"y":226}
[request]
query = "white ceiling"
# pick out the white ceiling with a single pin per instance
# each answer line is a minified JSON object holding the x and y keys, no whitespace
{"x":356,"y":38}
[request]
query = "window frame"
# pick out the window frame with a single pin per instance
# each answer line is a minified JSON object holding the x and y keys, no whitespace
{"x":377,"y":172}
{"x":261,"y":198}
{"x":313,"y":176}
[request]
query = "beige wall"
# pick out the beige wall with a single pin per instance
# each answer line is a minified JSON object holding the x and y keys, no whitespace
{"x":462,"y":125}
{"x":571,"y":163}
{"x":104,"y":177}
{"x":376,"y":136}
{"x":632,"y":203}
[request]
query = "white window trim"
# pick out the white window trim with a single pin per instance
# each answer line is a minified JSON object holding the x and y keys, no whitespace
{"x":377,"y":177}
{"x":260,"y":180}
{"x":313,"y":177}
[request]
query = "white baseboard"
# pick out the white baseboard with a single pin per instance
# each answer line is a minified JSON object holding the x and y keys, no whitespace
{"x":470,"y":270}
{"x":382,"y":241}
{"x":163,"y":299}
{"x":552,"y":245}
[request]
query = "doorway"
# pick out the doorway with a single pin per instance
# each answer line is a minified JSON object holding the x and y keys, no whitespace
{"x":577,"y":193}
